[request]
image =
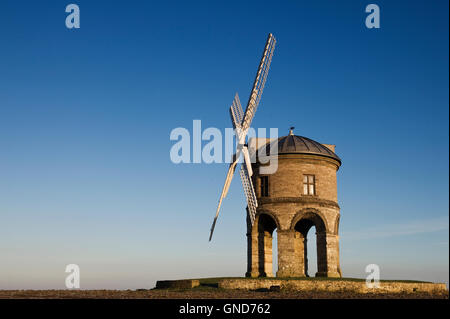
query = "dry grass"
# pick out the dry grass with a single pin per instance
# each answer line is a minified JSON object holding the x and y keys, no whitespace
{"x":203,"y":293}
{"x":208,"y":289}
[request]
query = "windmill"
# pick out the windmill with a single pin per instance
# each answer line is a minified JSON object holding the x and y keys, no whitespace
{"x":241,"y":123}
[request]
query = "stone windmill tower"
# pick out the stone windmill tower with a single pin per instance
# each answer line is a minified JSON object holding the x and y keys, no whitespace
{"x":301,"y":193}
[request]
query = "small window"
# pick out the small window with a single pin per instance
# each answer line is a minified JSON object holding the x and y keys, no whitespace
{"x":264,"y":186}
{"x":309,"y":185}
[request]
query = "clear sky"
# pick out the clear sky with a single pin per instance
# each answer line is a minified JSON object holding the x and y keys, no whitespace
{"x":85,"y":118}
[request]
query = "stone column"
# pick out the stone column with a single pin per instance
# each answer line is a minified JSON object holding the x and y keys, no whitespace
{"x":259,"y":254}
{"x":304,"y":260}
{"x":252,"y":249}
{"x":290,"y":254}
{"x":321,"y":241}
{"x":328,"y":255}
{"x":252,"y":256}
{"x":333,"y":267}
{"x":265,"y":254}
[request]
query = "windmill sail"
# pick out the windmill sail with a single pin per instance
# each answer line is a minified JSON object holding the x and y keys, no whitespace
{"x":260,"y":81}
{"x":236,"y":112}
{"x":225,"y":188}
{"x":249,"y":191}
{"x":241,"y":123}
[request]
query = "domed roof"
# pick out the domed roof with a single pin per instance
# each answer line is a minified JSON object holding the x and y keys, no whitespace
{"x":294,"y":144}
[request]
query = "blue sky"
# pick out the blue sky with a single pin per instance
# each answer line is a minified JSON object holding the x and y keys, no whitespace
{"x":85,"y":118}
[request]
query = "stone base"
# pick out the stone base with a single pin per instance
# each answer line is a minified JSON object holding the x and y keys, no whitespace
{"x":287,"y":274}
{"x":332,"y":285}
{"x":190,"y":283}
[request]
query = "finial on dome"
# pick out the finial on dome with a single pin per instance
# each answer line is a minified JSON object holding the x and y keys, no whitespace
{"x":291,"y":130}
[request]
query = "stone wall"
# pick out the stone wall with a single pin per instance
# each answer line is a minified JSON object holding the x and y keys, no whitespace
{"x":287,"y":181}
{"x":185,"y":283}
{"x":332,"y":285}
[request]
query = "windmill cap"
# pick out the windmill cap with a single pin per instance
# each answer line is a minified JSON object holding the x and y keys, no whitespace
{"x":294,"y":144}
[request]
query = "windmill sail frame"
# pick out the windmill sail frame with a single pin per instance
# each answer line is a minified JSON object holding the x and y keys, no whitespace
{"x":241,"y":123}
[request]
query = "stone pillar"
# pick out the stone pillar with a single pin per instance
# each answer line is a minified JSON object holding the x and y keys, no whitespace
{"x":290,"y":254}
{"x":285,"y":252}
{"x":252,"y":256}
{"x":328,"y":255}
{"x":333,"y":268}
{"x":321,"y":241}
{"x":252,"y":249}
{"x":265,"y":255}
{"x":304,"y":260}
{"x":259,"y":254}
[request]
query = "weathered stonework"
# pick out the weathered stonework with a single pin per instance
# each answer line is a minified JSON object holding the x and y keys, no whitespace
{"x":185,"y":283}
{"x":292,"y":213}
{"x":333,"y":285}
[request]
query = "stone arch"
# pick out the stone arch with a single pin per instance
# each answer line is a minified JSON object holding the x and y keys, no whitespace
{"x":302,"y":222}
{"x":269,"y":213}
{"x":306,"y":213}
{"x":261,"y":238}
